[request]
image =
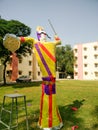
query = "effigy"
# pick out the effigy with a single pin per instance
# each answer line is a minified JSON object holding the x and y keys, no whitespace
{"x":49,"y":117}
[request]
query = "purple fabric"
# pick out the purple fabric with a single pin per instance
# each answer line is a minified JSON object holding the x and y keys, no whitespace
{"x":43,"y":60}
{"x":48,"y":91}
{"x":38,"y":36}
{"x":50,"y":87}
{"x":53,"y":89}
{"x":48,"y":78}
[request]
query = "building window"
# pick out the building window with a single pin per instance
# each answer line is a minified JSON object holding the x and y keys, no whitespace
{"x":85,"y":65}
{"x":76,"y":73}
{"x":30,"y":73}
{"x":20,"y":60}
{"x":96,"y":65}
{"x":76,"y":66}
{"x":96,"y":56}
{"x":85,"y":57}
{"x":76,"y":58}
{"x":20,"y":72}
{"x":85,"y":73}
{"x":30,"y":62}
{"x":75,"y":50}
{"x":9,"y":72}
{"x":38,"y":73}
{"x":95,"y":48}
{"x":96,"y":74}
{"x":85,"y":48}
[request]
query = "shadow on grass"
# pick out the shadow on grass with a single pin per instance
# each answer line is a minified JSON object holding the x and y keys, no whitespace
{"x":69,"y":114}
{"x":30,"y":84}
{"x":32,"y":121}
{"x":95,"y":114}
{"x":22,"y":85}
{"x":32,"y":117}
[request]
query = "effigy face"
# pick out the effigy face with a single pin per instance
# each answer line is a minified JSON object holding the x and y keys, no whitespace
{"x":11,"y":42}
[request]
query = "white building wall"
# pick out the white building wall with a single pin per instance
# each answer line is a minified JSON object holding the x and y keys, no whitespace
{"x":89,"y":69}
{"x":90,"y":58}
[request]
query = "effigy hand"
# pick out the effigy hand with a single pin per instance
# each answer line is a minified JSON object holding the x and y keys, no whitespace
{"x":11,"y":42}
{"x":57,"y":40}
{"x":56,"y":37}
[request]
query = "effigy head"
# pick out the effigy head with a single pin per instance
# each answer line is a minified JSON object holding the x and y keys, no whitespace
{"x":41,"y":34}
{"x":11,"y":42}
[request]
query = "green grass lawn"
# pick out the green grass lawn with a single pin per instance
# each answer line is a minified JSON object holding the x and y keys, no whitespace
{"x":70,"y":93}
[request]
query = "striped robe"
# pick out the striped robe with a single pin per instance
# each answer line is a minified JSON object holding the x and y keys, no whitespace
{"x":45,"y":53}
{"x":49,"y":113}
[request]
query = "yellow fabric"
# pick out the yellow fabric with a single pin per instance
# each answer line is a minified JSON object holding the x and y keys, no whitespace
{"x":50,"y":63}
{"x":45,"y":111}
{"x":50,"y":116}
{"x":29,"y":39}
{"x":51,"y":46}
{"x":56,"y":120}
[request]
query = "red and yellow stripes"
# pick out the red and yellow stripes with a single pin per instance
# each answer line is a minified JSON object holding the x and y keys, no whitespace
{"x":49,"y":113}
{"x":45,"y":58}
{"x":47,"y":52}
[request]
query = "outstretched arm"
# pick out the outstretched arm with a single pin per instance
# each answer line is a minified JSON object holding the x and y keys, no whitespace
{"x":27,"y":39}
{"x":12,"y":43}
{"x":57,"y":40}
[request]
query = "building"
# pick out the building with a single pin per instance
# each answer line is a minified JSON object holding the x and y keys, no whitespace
{"x":86,"y":65}
{"x":25,"y":66}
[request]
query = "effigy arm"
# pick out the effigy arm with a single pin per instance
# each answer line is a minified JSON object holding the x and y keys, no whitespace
{"x":57,"y":40}
{"x":27,"y":39}
{"x":12,"y":42}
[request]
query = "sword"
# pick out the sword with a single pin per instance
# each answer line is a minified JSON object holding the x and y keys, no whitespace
{"x":52,"y":27}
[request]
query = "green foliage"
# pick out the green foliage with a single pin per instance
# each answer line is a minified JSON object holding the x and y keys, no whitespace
{"x":3,"y":27}
{"x":69,"y":59}
{"x":19,"y":29}
{"x":65,"y":59}
{"x":14,"y":27}
{"x":70,"y":93}
{"x":4,"y":53}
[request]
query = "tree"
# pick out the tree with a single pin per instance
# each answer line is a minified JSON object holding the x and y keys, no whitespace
{"x":19,"y":29}
{"x":60,"y":54}
{"x":65,"y":59}
{"x":15,"y":27}
{"x":69,"y":59}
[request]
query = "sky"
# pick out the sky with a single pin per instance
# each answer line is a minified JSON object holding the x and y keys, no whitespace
{"x":75,"y":21}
